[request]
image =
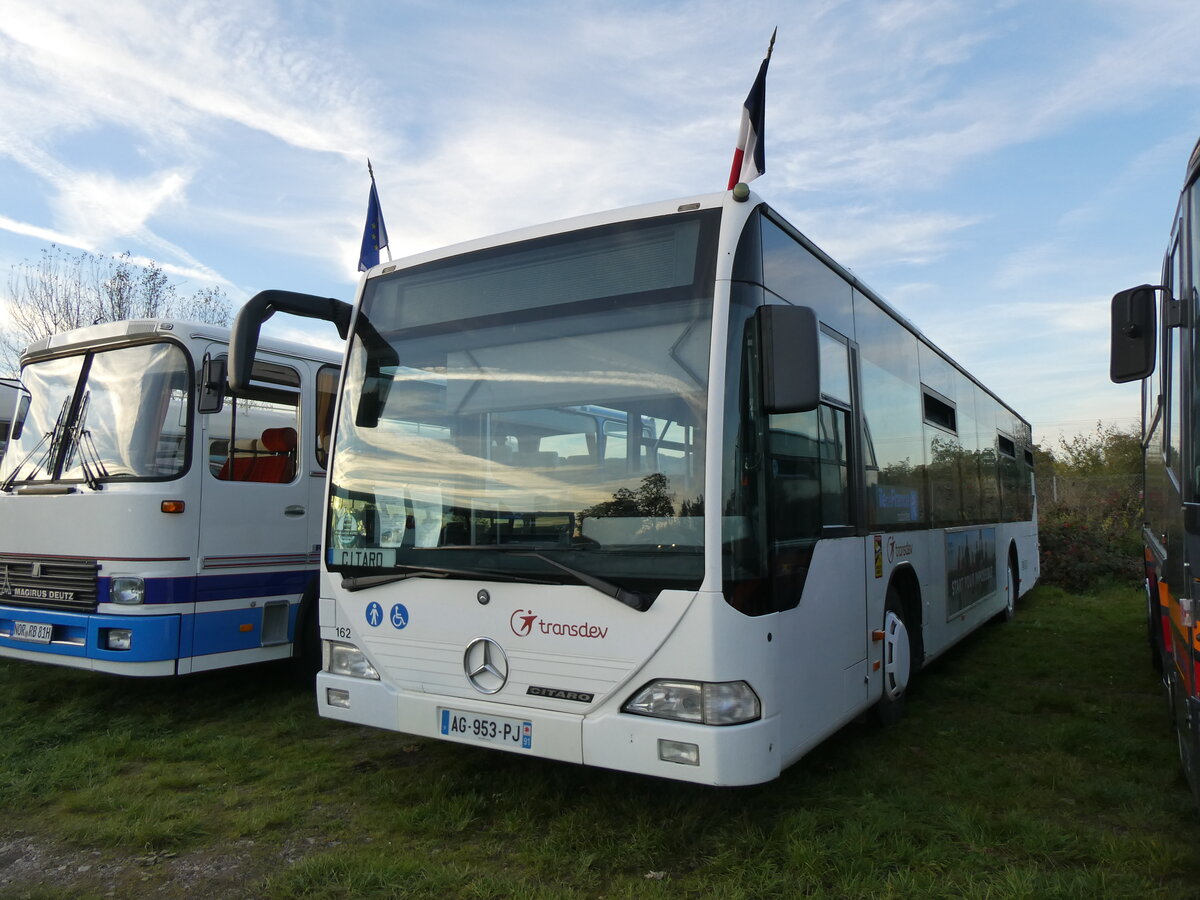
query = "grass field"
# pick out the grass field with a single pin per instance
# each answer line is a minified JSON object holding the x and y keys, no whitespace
{"x":1034,"y":761}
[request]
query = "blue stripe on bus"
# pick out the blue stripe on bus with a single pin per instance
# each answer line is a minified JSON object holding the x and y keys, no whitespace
{"x":165,"y":637}
{"x":233,"y":629}
{"x":207,"y":588}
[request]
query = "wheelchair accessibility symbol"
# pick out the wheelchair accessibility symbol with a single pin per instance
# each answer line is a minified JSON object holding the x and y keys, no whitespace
{"x":374,"y":614}
{"x":399,"y":615}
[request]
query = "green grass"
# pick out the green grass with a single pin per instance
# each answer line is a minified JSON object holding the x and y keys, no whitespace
{"x":1034,"y":761}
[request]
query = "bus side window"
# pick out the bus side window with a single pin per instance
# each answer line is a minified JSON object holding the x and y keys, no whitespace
{"x":808,"y":456}
{"x":254,"y":438}
{"x":1174,"y":336}
{"x":327,"y":382}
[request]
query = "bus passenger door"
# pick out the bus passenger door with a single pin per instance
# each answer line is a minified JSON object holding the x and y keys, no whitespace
{"x":255,"y":548}
{"x":812,"y":488}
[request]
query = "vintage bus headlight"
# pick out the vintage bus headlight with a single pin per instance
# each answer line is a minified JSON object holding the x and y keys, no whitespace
{"x":127,"y":589}
{"x":118,"y":639}
{"x":721,"y":703}
{"x":346,"y":659}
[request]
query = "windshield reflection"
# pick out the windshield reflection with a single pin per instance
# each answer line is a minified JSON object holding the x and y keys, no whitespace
{"x":119,"y":413}
{"x":575,"y":428}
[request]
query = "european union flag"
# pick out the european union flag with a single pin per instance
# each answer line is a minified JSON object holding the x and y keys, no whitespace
{"x":374,"y":232}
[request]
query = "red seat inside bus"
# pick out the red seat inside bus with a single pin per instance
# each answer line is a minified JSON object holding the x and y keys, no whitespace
{"x":272,"y":459}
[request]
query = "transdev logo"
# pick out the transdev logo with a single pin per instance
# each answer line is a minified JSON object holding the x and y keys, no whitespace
{"x":521,"y":622}
{"x":525,"y":622}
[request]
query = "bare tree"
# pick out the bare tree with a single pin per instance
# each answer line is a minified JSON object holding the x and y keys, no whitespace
{"x":61,"y":291}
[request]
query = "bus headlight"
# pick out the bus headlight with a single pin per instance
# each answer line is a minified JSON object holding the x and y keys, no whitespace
{"x":720,"y":703}
{"x":119,"y":639}
{"x":127,"y":589}
{"x":346,"y":659}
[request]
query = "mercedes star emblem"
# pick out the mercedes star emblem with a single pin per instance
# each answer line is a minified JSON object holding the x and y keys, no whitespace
{"x":486,"y":665}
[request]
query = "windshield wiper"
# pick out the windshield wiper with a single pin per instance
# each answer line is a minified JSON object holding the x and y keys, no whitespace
{"x":633,"y":599}
{"x":365,"y":582}
{"x":81,"y":442}
{"x":46,"y":459}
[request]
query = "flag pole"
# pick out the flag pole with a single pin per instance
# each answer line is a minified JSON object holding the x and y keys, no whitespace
{"x":750,"y":132}
{"x":371,"y":172}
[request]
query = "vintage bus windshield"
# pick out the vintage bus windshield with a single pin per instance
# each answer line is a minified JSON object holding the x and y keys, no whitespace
{"x":548,"y":398}
{"x":117,"y":413}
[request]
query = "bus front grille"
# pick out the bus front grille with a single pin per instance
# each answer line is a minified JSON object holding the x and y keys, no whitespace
{"x":48,"y":583}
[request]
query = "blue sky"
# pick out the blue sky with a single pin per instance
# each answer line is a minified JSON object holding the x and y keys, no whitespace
{"x":995,"y":169}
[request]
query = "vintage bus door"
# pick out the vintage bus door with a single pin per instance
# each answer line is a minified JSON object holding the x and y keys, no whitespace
{"x":257,"y":519}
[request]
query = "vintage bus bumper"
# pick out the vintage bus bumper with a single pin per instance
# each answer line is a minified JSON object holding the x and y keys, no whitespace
{"x":145,"y":644}
{"x":127,"y":645}
{"x":726,"y":755}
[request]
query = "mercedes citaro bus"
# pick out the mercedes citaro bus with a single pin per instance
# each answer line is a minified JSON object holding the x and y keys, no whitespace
{"x":664,"y":490}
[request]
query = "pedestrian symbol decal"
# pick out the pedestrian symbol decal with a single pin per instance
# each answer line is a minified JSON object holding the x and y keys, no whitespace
{"x":374,"y":614}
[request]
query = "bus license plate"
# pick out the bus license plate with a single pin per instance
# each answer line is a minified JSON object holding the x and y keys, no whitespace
{"x":488,"y":729}
{"x":37,"y":632}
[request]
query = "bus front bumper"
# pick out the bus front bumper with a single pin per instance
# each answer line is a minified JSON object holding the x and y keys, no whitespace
{"x":128,"y":645}
{"x":728,"y":755}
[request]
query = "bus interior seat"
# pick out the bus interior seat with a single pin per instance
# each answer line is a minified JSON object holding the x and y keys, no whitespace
{"x":274,"y":463}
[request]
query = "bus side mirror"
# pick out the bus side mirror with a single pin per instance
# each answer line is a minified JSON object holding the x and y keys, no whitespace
{"x":212,"y":385}
{"x":1133,"y":334}
{"x":791,"y":360}
{"x":18,"y":423}
{"x":243,"y":338}
{"x":375,"y":389}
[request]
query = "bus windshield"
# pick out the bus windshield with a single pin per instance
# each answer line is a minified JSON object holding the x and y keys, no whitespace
{"x":539,"y":400}
{"x":119,"y":413}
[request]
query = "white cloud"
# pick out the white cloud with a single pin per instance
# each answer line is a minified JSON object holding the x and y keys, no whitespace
{"x":102,"y":208}
{"x":228,"y":140}
{"x":43,"y":234}
{"x":883,"y":237}
{"x":133,"y":64}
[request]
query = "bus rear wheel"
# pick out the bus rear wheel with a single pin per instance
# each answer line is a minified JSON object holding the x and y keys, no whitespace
{"x":897,"y":661}
{"x":1185,"y":722}
{"x":1011,"y":588}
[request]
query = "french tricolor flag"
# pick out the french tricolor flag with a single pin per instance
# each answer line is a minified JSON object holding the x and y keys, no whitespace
{"x":750,"y":158}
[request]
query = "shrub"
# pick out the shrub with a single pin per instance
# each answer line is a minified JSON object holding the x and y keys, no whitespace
{"x":1078,"y":553}
{"x":1090,"y":508}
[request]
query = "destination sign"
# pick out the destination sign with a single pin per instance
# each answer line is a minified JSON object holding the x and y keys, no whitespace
{"x":359,"y":558}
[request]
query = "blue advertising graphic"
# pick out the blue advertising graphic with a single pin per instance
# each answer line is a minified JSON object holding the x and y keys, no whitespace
{"x":970,"y":568}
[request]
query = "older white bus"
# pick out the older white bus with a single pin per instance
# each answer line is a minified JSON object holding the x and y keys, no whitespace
{"x":151,"y":525}
{"x":665,"y":490}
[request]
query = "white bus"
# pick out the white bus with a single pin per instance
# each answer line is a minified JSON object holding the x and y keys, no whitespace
{"x":665,"y":490}
{"x":149,"y":525}
{"x":14,"y":404}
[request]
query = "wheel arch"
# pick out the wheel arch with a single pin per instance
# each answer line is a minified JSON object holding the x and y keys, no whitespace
{"x":906,"y":584}
{"x":306,"y":636}
{"x":1014,"y":559}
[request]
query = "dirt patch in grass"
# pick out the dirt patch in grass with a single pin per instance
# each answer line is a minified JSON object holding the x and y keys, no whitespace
{"x":32,"y":866}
